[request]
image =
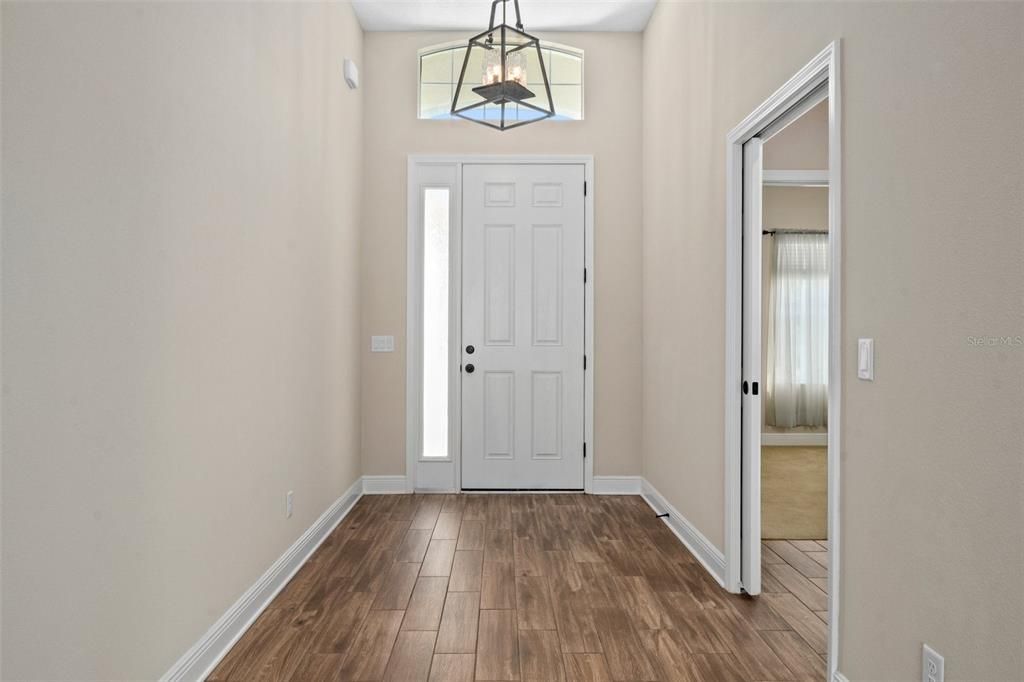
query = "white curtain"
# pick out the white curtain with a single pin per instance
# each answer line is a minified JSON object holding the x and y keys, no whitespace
{"x":796,"y":390}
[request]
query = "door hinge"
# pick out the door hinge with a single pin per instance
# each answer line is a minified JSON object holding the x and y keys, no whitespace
{"x":584,"y":188}
{"x":584,"y":275}
{"x":584,"y":450}
{"x":584,"y":362}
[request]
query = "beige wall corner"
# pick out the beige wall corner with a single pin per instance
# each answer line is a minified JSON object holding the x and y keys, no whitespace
{"x":611,"y":132}
{"x":933,"y":167}
{"x":180,"y":315}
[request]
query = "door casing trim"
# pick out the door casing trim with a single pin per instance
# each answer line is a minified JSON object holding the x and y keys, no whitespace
{"x":414,"y":323}
{"x":823,"y":69}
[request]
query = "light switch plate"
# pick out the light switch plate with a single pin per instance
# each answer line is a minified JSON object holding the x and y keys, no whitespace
{"x":933,"y":666}
{"x":382,"y":344}
{"x":866,"y":359}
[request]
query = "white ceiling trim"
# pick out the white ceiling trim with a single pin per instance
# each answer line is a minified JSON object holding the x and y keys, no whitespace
{"x":472,"y":15}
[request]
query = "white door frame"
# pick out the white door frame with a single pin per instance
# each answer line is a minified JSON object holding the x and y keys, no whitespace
{"x":750,"y":440}
{"x":446,"y":171}
{"x":824,"y":69}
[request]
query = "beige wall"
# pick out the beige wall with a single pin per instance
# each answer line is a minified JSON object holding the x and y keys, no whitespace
{"x":180,"y":316}
{"x":611,"y":132}
{"x":933,"y":165}
{"x":795,"y":208}
{"x":802,"y":145}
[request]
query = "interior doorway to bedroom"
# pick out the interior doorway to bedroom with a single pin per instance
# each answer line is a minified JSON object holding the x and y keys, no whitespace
{"x":795,"y":360}
{"x":783,"y":239}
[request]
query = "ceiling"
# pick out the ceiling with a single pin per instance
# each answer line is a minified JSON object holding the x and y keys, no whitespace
{"x":472,"y":15}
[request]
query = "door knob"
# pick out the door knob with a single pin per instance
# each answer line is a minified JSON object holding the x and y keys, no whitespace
{"x":470,"y":350}
{"x":469,"y":369}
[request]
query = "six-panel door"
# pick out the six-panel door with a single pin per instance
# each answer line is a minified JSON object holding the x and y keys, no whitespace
{"x":523,"y":316}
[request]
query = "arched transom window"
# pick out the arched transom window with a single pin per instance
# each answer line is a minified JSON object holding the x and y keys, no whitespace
{"x":439,"y":68}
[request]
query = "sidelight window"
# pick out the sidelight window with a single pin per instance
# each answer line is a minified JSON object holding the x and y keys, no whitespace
{"x":436,"y":221}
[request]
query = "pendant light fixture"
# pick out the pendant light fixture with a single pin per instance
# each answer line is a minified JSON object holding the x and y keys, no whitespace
{"x":503,"y":83}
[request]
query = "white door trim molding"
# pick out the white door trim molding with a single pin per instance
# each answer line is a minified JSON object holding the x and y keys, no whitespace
{"x":453,"y":163}
{"x":822,"y":71}
{"x":796,"y":178}
{"x":200,"y":660}
{"x":440,"y":474}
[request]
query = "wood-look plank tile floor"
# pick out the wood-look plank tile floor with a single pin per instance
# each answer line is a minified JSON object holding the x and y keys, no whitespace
{"x":569,"y":588}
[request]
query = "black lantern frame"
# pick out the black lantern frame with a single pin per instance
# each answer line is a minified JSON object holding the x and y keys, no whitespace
{"x":512,"y":43}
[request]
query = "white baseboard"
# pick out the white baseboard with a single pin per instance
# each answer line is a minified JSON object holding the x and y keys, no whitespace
{"x":801,"y":438}
{"x":199,"y":661}
{"x":384,"y":485}
{"x":839,"y":677}
{"x":707,"y":554}
{"x":616,"y":485}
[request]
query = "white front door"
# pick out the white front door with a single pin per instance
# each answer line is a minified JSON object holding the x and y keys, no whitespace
{"x":522,"y":326}
{"x":750,"y":565}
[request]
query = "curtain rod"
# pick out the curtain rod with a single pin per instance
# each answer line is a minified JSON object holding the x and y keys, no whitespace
{"x":764,"y":232}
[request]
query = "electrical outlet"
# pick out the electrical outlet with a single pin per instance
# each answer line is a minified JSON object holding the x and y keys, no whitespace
{"x":933,"y":666}
{"x":288,"y":507}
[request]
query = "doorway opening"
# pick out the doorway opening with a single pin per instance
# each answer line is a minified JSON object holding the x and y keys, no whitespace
{"x":794,"y":334}
{"x":500,"y":374}
{"x":783,"y":361}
